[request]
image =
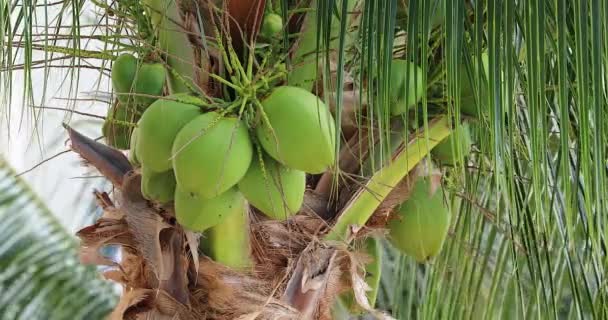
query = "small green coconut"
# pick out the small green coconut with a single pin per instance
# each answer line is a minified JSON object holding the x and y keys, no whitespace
{"x":132,"y":145}
{"x":158,"y":127}
{"x":149,"y":81}
{"x":199,"y":214}
{"x":211,"y":154}
{"x":278,"y":193}
{"x":421,"y":223}
{"x":158,"y":186}
{"x":123,"y":74}
{"x":455,"y":147}
{"x":300,"y":132}
{"x":120,"y":122}
{"x":468,"y":104}
{"x":272,"y":25}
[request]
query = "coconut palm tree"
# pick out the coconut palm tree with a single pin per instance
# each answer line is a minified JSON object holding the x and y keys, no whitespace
{"x":427,"y":159}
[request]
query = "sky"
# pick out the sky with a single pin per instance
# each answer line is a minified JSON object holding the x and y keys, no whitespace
{"x":33,"y":145}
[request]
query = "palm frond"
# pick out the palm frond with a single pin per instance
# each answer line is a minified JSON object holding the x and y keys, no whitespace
{"x":40,"y":274}
{"x":528,"y":236}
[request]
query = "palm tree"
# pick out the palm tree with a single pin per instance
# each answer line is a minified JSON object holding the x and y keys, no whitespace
{"x":500,"y":105}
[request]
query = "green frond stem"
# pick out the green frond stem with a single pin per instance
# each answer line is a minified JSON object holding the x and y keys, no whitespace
{"x":362,"y":206}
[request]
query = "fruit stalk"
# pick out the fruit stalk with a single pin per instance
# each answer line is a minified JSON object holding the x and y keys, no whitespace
{"x":230,"y":241}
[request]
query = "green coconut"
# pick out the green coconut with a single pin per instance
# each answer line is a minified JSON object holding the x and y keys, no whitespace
{"x":211,"y":154}
{"x":123,"y":74}
{"x":402,"y":99}
{"x":199,"y":214}
{"x":150,"y":80}
{"x":157,"y":129}
{"x":455,"y":147}
{"x":272,"y":25}
{"x":468,"y":104}
{"x":278,"y":193}
{"x":158,"y":186}
{"x":421,"y":223}
{"x":120,"y":122}
{"x":132,"y":154}
{"x":301,"y":131}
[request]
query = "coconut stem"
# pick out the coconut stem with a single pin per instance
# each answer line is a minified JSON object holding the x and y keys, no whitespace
{"x":230,"y":241}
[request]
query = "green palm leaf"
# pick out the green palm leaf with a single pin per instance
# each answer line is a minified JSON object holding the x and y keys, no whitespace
{"x":40,"y":274}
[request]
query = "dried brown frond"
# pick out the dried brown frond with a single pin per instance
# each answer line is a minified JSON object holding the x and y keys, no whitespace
{"x":275,"y":243}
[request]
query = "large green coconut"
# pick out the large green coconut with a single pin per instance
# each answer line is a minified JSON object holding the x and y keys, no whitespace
{"x":301,"y":134}
{"x":278,"y":193}
{"x":402,"y":99}
{"x":123,"y":74}
{"x":198,"y":214}
{"x":150,"y":80}
{"x":211,"y":154}
{"x":455,"y":147}
{"x":421,"y":224}
{"x":158,"y":186}
{"x":157,"y":129}
{"x":120,"y":122}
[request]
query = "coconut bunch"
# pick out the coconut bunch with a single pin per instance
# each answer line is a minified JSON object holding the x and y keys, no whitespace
{"x":164,"y":275}
{"x":235,"y":184}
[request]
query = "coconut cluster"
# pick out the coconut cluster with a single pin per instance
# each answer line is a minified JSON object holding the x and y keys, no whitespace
{"x":209,"y":162}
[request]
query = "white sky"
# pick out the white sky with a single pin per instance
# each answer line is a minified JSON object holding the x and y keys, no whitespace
{"x":60,"y":182}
